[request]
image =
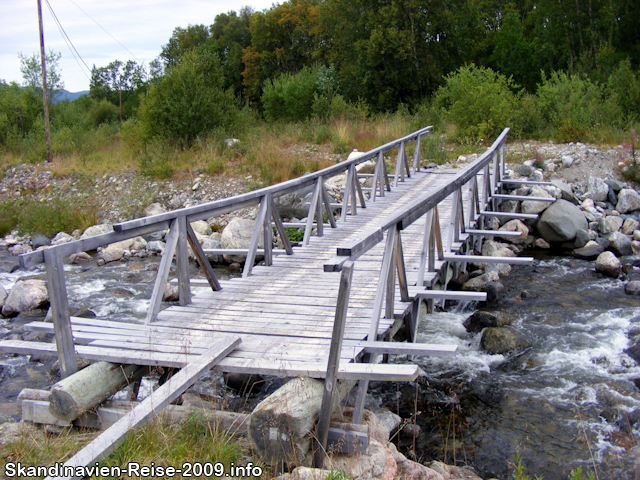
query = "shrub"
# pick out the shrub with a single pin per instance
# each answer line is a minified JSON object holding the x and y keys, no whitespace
{"x":289,"y":97}
{"x":102,"y":112}
{"x":54,"y":216}
{"x":625,"y":85}
{"x":573,"y":106}
{"x":479,"y":101}
{"x":188,"y":101}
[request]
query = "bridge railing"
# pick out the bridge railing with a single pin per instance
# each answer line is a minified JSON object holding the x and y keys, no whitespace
{"x":180,"y":233}
{"x":483,"y":180}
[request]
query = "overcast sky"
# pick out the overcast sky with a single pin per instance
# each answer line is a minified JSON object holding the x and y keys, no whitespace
{"x":142,"y":26}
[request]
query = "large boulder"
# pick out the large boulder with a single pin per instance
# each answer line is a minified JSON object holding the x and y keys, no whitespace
{"x":481,"y":320}
{"x":608,"y":264}
{"x":97,"y":230}
{"x":112,"y":253}
{"x":292,"y":205}
{"x":561,"y":222}
{"x":628,"y":201}
{"x":154,"y":209}
{"x":565,"y":191}
{"x":597,"y":189}
{"x":515,"y":225}
{"x":619,"y":244}
{"x":534,"y":206}
{"x":26,"y":295}
{"x":237,"y":234}
{"x":501,"y":340}
{"x":590,"y":251}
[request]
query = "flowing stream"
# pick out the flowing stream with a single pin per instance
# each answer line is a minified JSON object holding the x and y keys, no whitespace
{"x":569,"y":401}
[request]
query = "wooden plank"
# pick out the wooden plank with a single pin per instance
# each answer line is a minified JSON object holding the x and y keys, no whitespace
{"x":333,"y":362}
{"x":493,"y":233}
{"x":60,"y":312}
{"x":504,"y":196}
{"x":397,"y":348}
{"x":525,"y":216}
{"x":508,"y":181}
{"x":481,"y":259}
{"x":182,"y":263}
{"x":106,"y":442}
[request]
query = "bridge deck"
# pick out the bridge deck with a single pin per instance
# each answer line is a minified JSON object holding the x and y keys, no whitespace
{"x":284,"y":313}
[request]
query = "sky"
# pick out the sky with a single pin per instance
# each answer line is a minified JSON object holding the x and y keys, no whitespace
{"x":142,"y":26}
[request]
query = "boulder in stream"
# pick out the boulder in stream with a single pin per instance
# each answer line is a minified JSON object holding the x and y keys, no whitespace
{"x":501,"y":340}
{"x":26,"y":295}
{"x":561,"y":222}
{"x":608,"y":264}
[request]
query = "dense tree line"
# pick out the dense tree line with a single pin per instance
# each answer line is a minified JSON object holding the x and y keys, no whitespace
{"x":326,"y":58}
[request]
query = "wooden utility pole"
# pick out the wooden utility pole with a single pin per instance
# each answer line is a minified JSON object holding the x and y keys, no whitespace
{"x":45,"y":101}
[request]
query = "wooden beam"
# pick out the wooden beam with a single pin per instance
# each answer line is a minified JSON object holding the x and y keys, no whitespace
{"x":202,"y":260}
{"x":396,"y":348}
{"x":60,"y":312}
{"x":163,"y":273}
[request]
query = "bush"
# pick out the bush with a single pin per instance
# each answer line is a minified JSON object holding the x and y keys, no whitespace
{"x":625,"y":85}
{"x":188,"y":101}
{"x":479,"y":101}
{"x":573,"y":107}
{"x":289,"y":97}
{"x":53,"y":217}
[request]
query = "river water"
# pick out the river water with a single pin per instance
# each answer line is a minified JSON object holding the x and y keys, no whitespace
{"x":569,"y":401}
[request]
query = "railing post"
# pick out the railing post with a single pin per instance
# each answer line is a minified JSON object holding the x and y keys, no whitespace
{"x":182,"y":260}
{"x":333,"y":364}
{"x":313,"y":210}
{"x":255,"y":237}
{"x":280,"y":228}
{"x":267,"y":231}
{"x":163,"y":272}
{"x":202,"y":259}
{"x":60,"y":312}
{"x":399,"y":172}
{"x":416,"y":154}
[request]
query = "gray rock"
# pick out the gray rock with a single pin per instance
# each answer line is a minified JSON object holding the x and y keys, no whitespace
{"x":613,"y":198}
{"x":608,"y":264}
{"x":630,"y":226}
{"x":532,"y":206}
{"x":154,"y":209}
{"x":201,"y":227}
{"x":494,"y":290}
{"x":628,"y":201}
{"x":609,"y":224}
{"x":501,"y":340}
{"x":40,"y":240}
{"x":237,"y":234}
{"x":479,"y":282}
{"x":582,"y":238}
{"x":481,"y":320}
{"x":633,"y":287}
{"x":20,"y":249}
{"x":155,"y":236}
{"x":211,"y":244}
{"x":79,"y":258}
{"x":3,"y":296}
{"x":171,"y":293}
{"x":536,"y":176}
{"x":619,"y":244}
{"x":590,"y":251}
{"x":293,"y":204}
{"x":97,"y":230}
{"x":156,"y":246}
{"x":26,"y":295}
{"x":61,"y":238}
{"x":515,"y":225}
{"x":565,"y":191}
{"x":112,"y":253}
{"x":542,"y":243}
{"x":615,"y":185}
{"x":524,"y":170}
{"x":492,"y":248}
{"x":597,"y":189}
{"x":567,"y":160}
{"x":561,"y":222}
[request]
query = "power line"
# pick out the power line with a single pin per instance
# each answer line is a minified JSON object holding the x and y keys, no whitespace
{"x":104,"y":30}
{"x":68,"y":41}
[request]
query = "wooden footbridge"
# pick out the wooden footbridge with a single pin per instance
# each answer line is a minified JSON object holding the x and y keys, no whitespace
{"x":325,"y":309}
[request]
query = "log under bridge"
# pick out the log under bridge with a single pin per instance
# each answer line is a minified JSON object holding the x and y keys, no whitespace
{"x":326,"y":309}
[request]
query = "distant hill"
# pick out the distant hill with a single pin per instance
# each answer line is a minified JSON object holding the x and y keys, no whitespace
{"x":71,"y":96}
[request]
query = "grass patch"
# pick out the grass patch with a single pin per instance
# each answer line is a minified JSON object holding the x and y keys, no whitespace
{"x":157,"y":443}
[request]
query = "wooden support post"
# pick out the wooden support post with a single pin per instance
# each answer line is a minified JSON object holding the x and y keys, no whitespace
{"x":438,"y":236}
{"x":453,"y":223}
{"x":405,"y":160}
{"x":339,"y":322}
{"x":255,"y":238}
{"x":359,"y":188}
{"x":424,"y":253}
{"x":280,"y":227}
{"x":352,"y":186}
{"x":163,"y":272}
{"x":416,"y":155}
{"x":327,"y":207}
{"x":399,"y":166}
{"x":267,"y":231}
{"x":381,"y":294}
{"x":347,"y":194}
{"x":60,"y":311}
{"x":313,"y":210}
{"x":319,"y":208}
{"x":202,"y":260}
{"x":402,"y":272}
{"x":182,"y":260}
{"x":107,"y":441}
{"x":385,"y":174}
